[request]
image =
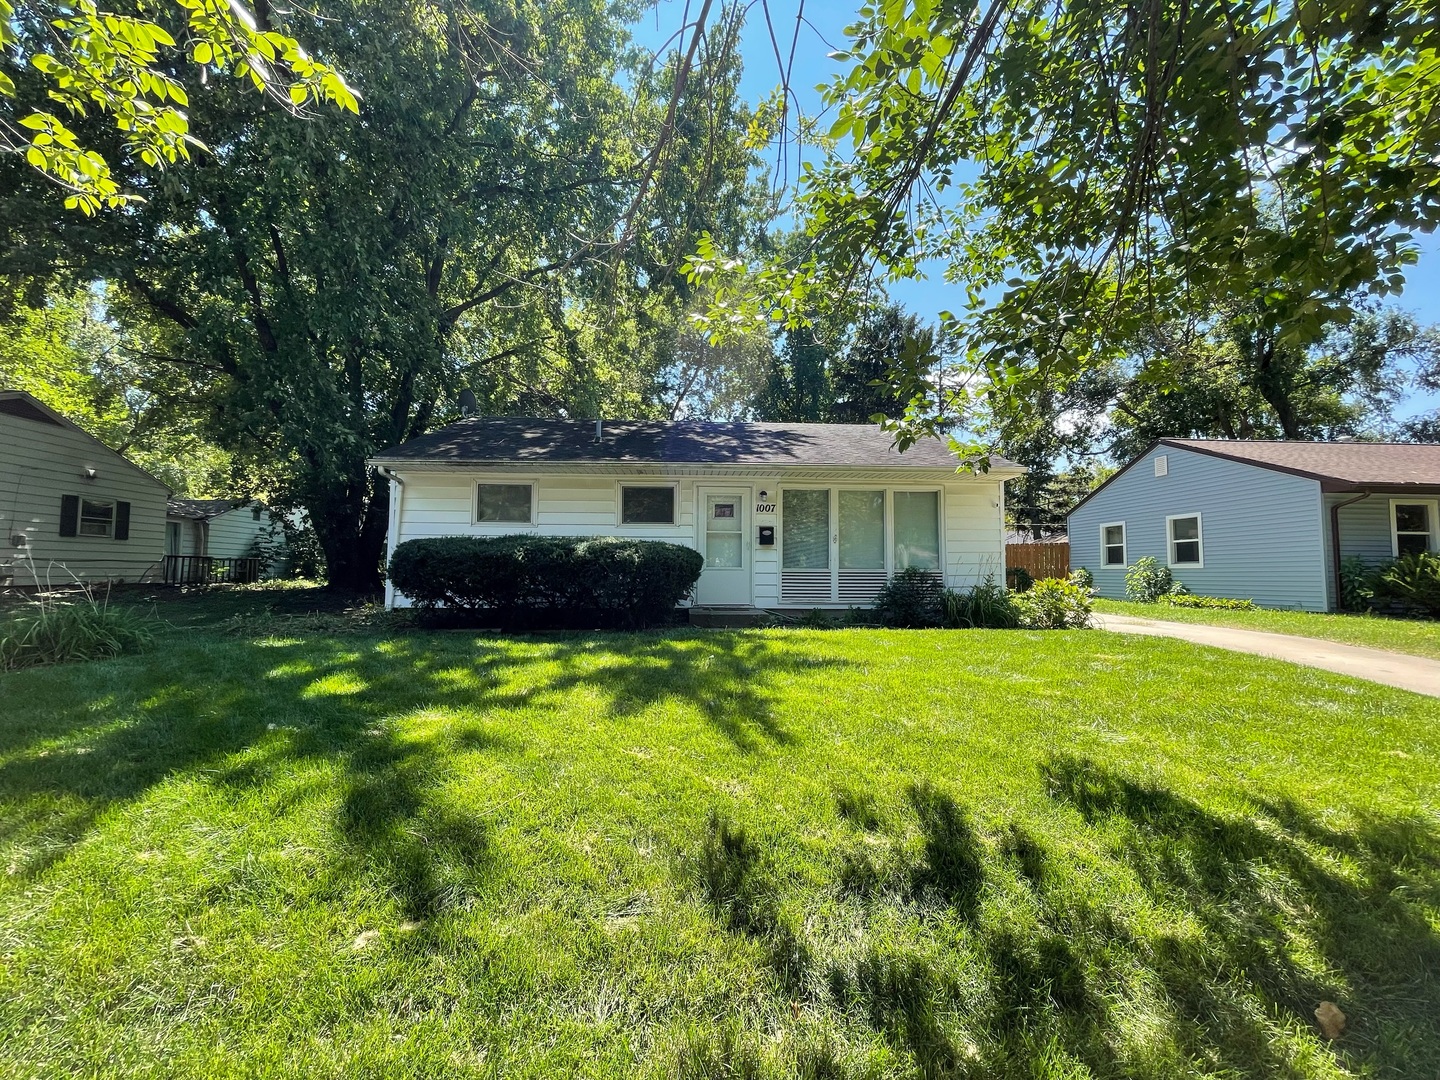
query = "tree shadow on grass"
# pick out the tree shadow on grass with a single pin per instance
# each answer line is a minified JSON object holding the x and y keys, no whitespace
{"x":1290,"y":909}
{"x":69,"y":753}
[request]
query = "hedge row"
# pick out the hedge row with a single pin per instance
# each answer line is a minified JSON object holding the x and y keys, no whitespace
{"x":548,"y":580}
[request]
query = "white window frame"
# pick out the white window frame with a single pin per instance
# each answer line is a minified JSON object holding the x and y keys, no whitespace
{"x":1124,"y":546}
{"x":1170,"y":542}
{"x":1434,"y":506}
{"x":109,"y":522}
{"x":504,"y":481}
{"x":621,"y":523}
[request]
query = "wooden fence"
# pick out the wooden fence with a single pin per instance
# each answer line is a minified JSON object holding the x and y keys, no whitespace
{"x":209,"y":570}
{"x":1043,"y":560}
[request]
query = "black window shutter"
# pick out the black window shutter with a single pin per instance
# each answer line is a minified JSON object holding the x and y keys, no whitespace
{"x":69,"y":515}
{"x":122,"y":521}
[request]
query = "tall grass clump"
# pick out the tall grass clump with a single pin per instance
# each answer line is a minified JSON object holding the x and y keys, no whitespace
{"x":60,"y":631}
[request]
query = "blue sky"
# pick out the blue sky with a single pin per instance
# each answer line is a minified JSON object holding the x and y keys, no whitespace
{"x":826,"y":22}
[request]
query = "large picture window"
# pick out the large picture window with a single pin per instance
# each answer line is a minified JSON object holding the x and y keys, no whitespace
{"x":1112,"y":544}
{"x":917,"y":530}
{"x":1412,"y":526}
{"x":97,"y":518}
{"x":512,"y":504}
{"x":805,"y":528}
{"x":647,"y":504}
{"x":1186,"y":545}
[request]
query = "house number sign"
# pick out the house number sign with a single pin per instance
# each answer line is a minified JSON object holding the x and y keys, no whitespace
{"x":764,"y":508}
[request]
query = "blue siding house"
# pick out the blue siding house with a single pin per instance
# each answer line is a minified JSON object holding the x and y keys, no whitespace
{"x":1266,"y":521}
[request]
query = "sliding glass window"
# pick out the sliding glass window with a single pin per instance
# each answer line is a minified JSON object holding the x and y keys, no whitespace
{"x":862,"y":530}
{"x":917,"y":529}
{"x":805,"y":528}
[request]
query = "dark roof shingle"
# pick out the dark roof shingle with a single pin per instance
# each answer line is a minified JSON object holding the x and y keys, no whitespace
{"x":1358,"y":464}
{"x":199,"y":508}
{"x":493,"y":440}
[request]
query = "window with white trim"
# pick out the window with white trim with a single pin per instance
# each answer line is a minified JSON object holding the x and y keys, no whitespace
{"x":96,"y":518}
{"x":1186,"y":546}
{"x":1412,"y":526}
{"x":647,"y":504}
{"x":509,"y":504}
{"x":1112,"y":544}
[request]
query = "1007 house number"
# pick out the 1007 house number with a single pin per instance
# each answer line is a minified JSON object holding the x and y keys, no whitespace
{"x":764,"y":508}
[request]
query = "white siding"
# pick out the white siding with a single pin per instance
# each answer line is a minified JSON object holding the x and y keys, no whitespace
{"x":232,"y":533}
{"x":39,"y":463}
{"x":432,"y":504}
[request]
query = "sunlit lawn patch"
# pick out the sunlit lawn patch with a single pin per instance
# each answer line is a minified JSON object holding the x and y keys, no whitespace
{"x":844,"y":853}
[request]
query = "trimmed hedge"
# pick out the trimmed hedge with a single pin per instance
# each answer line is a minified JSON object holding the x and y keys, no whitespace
{"x":548,"y":580}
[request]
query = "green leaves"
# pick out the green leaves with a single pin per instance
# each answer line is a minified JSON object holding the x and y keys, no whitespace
{"x":114,"y":64}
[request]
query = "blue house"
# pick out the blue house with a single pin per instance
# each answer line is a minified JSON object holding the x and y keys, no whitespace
{"x":1266,"y":521}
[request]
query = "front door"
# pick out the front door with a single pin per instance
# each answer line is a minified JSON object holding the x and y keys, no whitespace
{"x":725,"y":543}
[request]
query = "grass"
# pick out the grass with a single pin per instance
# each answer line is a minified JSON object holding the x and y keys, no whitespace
{"x":1420,"y":637}
{"x":777,"y":853}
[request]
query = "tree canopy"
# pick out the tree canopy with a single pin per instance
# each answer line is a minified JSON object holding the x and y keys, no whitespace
{"x":1083,"y":167}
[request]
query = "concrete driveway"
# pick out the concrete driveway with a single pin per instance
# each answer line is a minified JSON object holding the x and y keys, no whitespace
{"x":1415,"y":673}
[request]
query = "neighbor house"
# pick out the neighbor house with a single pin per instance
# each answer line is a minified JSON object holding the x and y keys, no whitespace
{"x":1265,"y":521}
{"x":786,"y":515}
{"x":204,"y":537}
{"x":70,"y":507}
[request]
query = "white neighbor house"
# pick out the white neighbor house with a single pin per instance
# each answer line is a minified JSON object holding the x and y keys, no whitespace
{"x":786,"y":515}
{"x":218,"y":528}
{"x":70,"y":507}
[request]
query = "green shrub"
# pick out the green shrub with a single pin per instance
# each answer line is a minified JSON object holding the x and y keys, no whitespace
{"x":59,"y":632}
{"x":1053,"y":604}
{"x":1357,"y":584}
{"x":911,"y":600}
{"x":1146,"y":581}
{"x":1018,"y":578}
{"x":1224,"y":603}
{"x":548,"y":580}
{"x":1084,"y":578}
{"x":986,"y":606}
{"x":1412,"y":578}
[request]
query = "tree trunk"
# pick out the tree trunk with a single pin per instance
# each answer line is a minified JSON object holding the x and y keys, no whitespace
{"x":351,"y":525}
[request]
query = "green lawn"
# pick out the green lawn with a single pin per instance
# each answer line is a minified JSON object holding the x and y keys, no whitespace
{"x":828,"y":854}
{"x":1418,"y":636}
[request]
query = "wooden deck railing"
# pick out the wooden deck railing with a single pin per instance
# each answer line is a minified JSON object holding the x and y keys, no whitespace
{"x":209,"y":570}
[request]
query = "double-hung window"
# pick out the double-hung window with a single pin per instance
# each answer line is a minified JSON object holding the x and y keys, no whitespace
{"x":1412,"y":527}
{"x":509,"y":504}
{"x":917,"y":529}
{"x":1112,"y":544}
{"x":1186,"y":545}
{"x":97,"y":518}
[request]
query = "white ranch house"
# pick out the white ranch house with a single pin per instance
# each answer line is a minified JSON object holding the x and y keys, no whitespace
{"x":786,"y":515}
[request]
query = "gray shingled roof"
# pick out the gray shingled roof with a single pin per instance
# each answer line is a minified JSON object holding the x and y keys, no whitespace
{"x":1353,"y":464}
{"x":199,"y":509}
{"x":496,"y":440}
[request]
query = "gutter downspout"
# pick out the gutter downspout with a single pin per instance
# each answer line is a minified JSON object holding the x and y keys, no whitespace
{"x":397,"y":496}
{"x":1335,"y":540}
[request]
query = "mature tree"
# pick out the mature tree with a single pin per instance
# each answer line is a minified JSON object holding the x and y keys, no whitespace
{"x":1217,"y":381}
{"x":74,"y":58}
{"x":797,"y":387}
{"x":860,"y":384}
{"x":69,"y":353}
{"x":334,"y":283}
{"x":1084,"y":165}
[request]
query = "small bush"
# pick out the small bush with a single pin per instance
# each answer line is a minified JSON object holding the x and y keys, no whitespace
{"x":1054,"y":604}
{"x":1147,"y":581}
{"x":1357,"y":584}
{"x":548,"y":580}
{"x":986,"y":606}
{"x":1223,"y":603}
{"x":60,"y":632}
{"x":911,"y":600}
{"x":1018,"y":578}
{"x":1414,"y":579}
{"x":1084,"y":578}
